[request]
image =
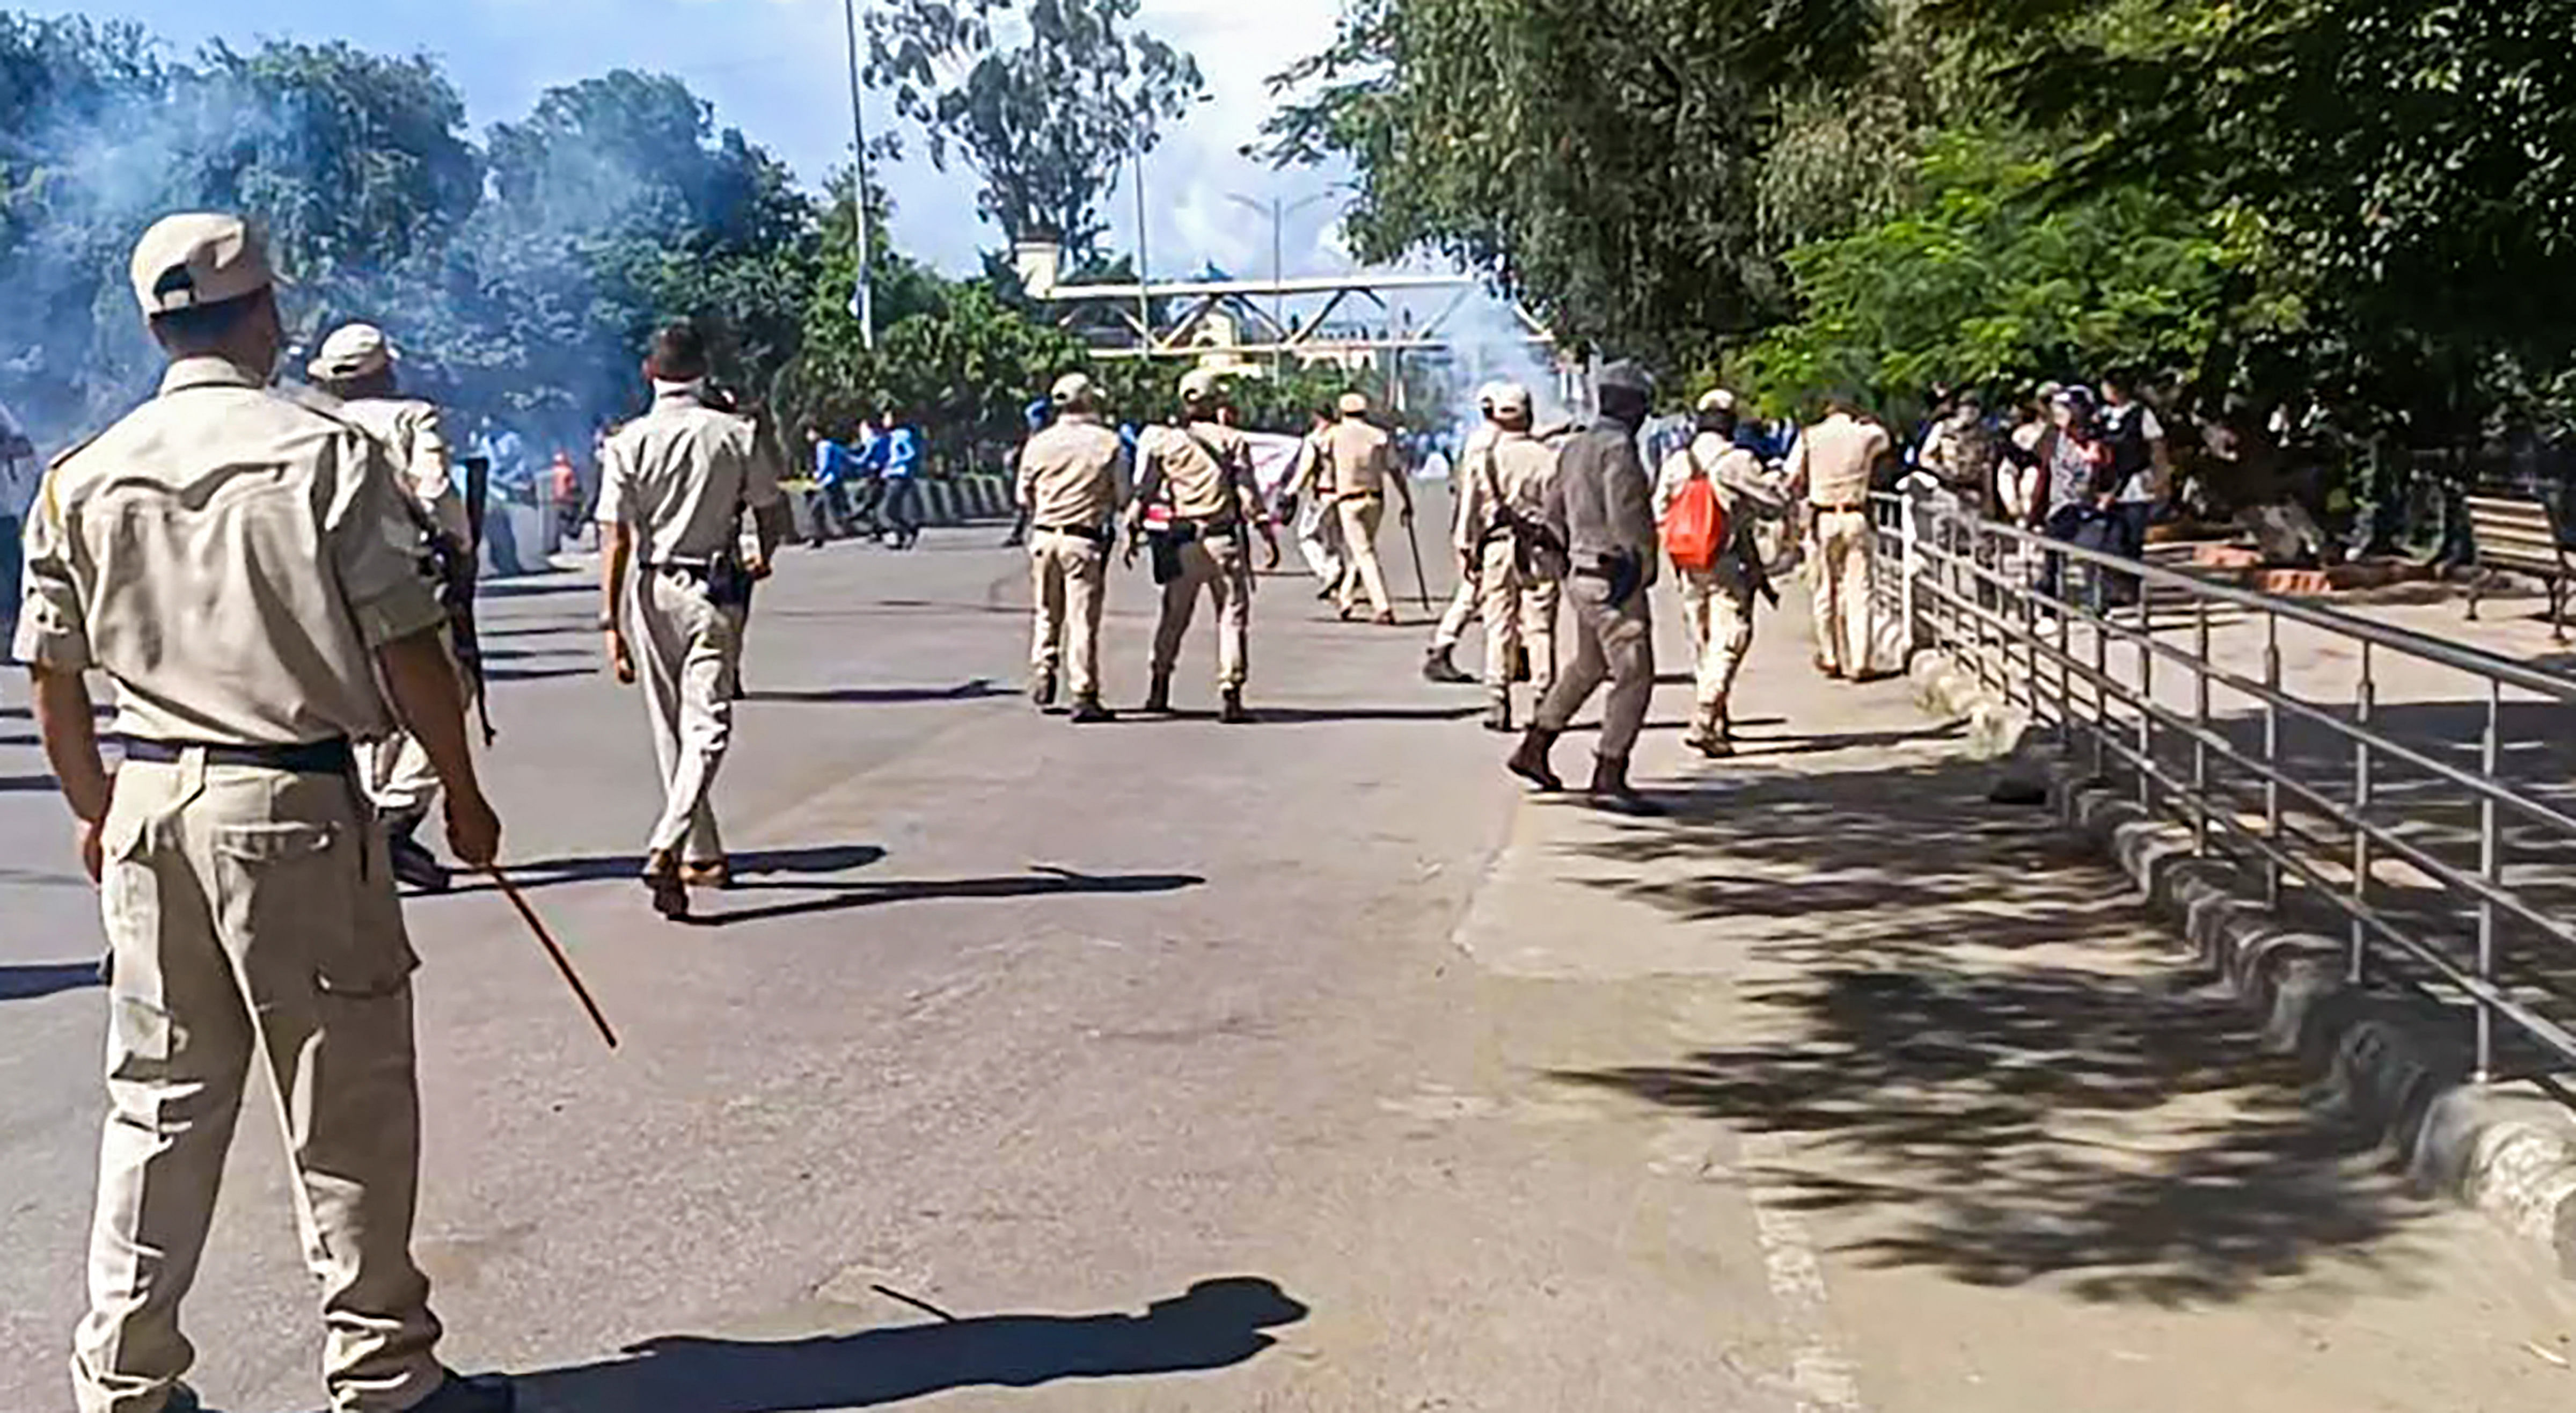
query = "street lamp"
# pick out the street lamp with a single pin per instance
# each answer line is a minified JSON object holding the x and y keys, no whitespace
{"x":863,"y":297}
{"x":1278,"y":210}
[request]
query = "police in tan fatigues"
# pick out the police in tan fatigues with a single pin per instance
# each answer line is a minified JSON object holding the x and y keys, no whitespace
{"x":1199,"y":476}
{"x":1073,"y":483}
{"x":1363,"y":466}
{"x":1832,"y":467}
{"x":1438,"y":663}
{"x":356,"y":366}
{"x":1717,"y":603}
{"x":1517,"y":588}
{"x":243,"y":566}
{"x":674,"y":486}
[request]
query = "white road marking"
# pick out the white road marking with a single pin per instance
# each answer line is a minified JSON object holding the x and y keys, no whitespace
{"x":1825,"y":1380}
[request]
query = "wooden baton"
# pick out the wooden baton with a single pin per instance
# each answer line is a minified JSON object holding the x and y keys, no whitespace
{"x":554,"y":950}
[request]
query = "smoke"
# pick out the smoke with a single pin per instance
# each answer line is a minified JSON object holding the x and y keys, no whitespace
{"x":1490,"y":344}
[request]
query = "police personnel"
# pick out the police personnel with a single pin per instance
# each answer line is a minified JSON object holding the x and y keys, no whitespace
{"x":1073,"y":483}
{"x":1717,"y":602}
{"x":1832,"y":468}
{"x":1439,"y":663}
{"x":1362,"y":458}
{"x":356,"y":365}
{"x":1501,"y":506}
{"x":1198,"y":476}
{"x":244,"y":568}
{"x":1318,"y":522}
{"x":1599,"y":505}
{"x":674,"y":484}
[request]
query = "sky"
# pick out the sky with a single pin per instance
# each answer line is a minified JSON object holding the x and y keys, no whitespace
{"x":776,"y":69}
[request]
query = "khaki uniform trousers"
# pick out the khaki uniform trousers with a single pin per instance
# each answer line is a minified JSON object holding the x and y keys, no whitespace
{"x":1846,"y":559}
{"x":1717,"y":608}
{"x":688,"y":650}
{"x":251,"y":916}
{"x":1464,"y":606}
{"x":1069,"y":581}
{"x":398,"y":775}
{"x":1319,"y":539}
{"x":1613,"y":643}
{"x":1520,"y":616}
{"x":1220,"y":569}
{"x":1361,"y":517}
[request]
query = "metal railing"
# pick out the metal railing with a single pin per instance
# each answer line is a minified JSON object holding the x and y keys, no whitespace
{"x":2420,"y":794}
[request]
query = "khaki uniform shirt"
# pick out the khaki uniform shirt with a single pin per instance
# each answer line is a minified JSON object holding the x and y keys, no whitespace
{"x":410,"y":430}
{"x":1362,"y":457}
{"x":232,"y":559}
{"x":681,"y":475}
{"x":1073,"y":475}
{"x":1522,"y":466}
{"x":1835,"y":458}
{"x":1314,"y":466}
{"x":1737,"y":476}
{"x":1180,"y":473}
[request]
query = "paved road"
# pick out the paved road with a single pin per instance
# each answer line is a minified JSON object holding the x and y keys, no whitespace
{"x":1299,"y":1067}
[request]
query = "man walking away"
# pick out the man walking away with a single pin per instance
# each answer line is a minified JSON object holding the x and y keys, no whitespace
{"x":1363,"y":462}
{"x":1197,"y":482}
{"x":2141,"y":461}
{"x":1520,"y":562}
{"x":902,"y":486}
{"x":1440,"y":663}
{"x":1833,"y":467}
{"x":244,"y":567}
{"x":1717,"y":602}
{"x":1035,"y":414}
{"x":1600,"y":506}
{"x":1073,"y":484}
{"x":671,"y":500}
{"x":356,"y":365}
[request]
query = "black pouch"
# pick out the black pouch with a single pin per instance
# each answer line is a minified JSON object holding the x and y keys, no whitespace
{"x":1166,"y":550}
{"x":728,"y":585}
{"x":1626,"y":573}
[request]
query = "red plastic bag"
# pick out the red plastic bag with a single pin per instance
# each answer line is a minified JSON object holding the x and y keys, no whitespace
{"x":1694,"y":528}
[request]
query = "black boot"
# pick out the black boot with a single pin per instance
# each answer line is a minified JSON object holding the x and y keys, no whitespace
{"x":1158,"y":697}
{"x":1498,"y":713}
{"x":1530,"y":761}
{"x":1436,"y":667}
{"x":662,"y":880}
{"x":1042,"y":688}
{"x":1087,"y":711}
{"x":414,"y":866}
{"x":1611,"y":790}
{"x":1230,"y":711}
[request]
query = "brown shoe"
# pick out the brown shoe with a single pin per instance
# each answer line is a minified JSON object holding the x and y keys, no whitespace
{"x":662,"y":877}
{"x":716,"y":873}
{"x":1530,"y":762}
{"x":1385,"y":620}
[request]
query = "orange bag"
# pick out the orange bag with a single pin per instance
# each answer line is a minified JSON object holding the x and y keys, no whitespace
{"x":1694,"y":528}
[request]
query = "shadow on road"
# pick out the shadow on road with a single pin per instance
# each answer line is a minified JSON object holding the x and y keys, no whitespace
{"x":1038,"y":883}
{"x":1214,"y":1325}
{"x":821,"y":860}
{"x":980,"y":688}
{"x":28,"y":983}
{"x":25,"y":784}
{"x":1993,"y":1063}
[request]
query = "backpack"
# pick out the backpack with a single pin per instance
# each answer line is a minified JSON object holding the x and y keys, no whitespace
{"x":2130,"y":454}
{"x":1694,"y":528}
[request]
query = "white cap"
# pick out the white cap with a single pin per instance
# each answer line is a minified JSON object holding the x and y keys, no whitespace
{"x":352,"y":351}
{"x":192,"y":260}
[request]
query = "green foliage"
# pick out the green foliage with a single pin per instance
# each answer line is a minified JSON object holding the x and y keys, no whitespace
{"x":1980,"y":282}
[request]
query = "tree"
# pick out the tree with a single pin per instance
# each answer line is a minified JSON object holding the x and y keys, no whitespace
{"x":1599,"y":162}
{"x":1045,"y":124}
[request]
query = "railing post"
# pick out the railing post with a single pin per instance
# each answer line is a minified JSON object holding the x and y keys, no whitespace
{"x":2146,"y":698}
{"x":2272,"y":758}
{"x":2101,"y":675}
{"x":2200,"y":732}
{"x":2364,"y":707}
{"x":2491,"y":867}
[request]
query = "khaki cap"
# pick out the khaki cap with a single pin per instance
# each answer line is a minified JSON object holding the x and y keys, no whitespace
{"x":1717,"y":400}
{"x":1199,"y":386}
{"x":1626,"y":376}
{"x":1069,"y":389}
{"x":1508,"y":399}
{"x":1354,"y":403}
{"x":352,"y":351}
{"x":190,"y":261}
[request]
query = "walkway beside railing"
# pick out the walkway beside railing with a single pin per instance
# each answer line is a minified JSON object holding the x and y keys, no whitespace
{"x":2413,"y":795}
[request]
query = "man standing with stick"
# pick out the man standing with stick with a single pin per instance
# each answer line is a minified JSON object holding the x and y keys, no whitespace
{"x":242,"y":567}
{"x":1362,"y":458}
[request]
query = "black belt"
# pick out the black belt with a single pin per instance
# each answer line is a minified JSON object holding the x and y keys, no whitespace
{"x":1839,"y":507}
{"x":1079,"y":532}
{"x":332,"y":757}
{"x":694,"y":571}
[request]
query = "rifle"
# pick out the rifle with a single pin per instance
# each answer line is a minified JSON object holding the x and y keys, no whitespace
{"x":459,"y":572}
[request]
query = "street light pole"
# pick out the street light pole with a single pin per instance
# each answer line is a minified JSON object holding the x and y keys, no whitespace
{"x":1278,"y":209}
{"x":1144,"y":285}
{"x":863,"y":304}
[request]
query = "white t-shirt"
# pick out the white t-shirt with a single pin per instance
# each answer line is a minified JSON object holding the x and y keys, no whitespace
{"x":2141,"y":484}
